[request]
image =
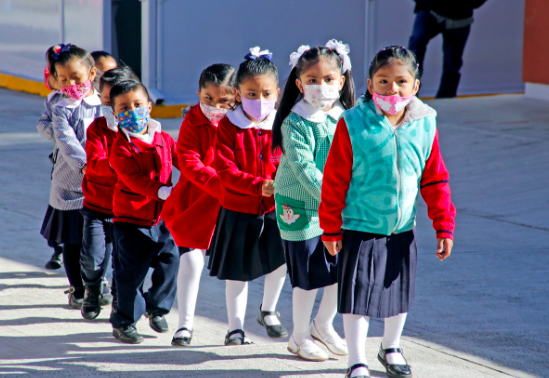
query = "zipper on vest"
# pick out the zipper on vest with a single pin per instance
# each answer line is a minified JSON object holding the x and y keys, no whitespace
{"x":399,"y":182}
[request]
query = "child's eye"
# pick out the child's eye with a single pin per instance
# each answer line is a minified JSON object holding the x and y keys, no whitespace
{"x":402,"y":81}
{"x":383,"y":82}
{"x":329,"y":80}
{"x":251,"y":94}
{"x":209,"y":98}
{"x":312,"y":81}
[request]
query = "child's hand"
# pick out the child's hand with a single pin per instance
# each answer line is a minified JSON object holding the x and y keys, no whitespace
{"x":333,"y":247}
{"x":268,"y":188}
{"x":84,"y":168}
{"x":444,"y":248}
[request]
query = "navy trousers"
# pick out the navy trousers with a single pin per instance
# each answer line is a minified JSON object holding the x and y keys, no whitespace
{"x":97,"y":246}
{"x":426,"y":28}
{"x":138,"y":249}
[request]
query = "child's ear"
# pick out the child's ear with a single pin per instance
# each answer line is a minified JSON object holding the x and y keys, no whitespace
{"x":416,"y":89}
{"x":299,"y":85}
{"x":370,"y":88}
{"x":198,"y":93}
{"x":93,"y":73}
{"x":342,"y":83}
{"x":237,"y":95}
{"x":278,"y":92}
{"x":150,"y":107}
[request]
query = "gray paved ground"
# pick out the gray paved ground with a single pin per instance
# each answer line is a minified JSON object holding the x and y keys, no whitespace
{"x":482,"y":313}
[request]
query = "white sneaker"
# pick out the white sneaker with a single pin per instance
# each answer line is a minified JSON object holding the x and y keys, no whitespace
{"x":307,"y":350}
{"x":332,"y":341}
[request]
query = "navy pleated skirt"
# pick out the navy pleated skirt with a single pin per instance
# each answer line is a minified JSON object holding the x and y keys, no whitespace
{"x":62,"y":226}
{"x":377,"y":274}
{"x":245,"y":246}
{"x":310,"y":266}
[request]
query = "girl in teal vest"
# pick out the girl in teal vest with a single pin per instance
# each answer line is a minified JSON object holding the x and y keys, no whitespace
{"x":385,"y":151}
{"x":319,"y":89}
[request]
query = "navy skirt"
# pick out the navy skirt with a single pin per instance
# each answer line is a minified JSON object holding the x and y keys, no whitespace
{"x":245,"y":246}
{"x":377,"y":274}
{"x":62,"y":226}
{"x":309,"y":264}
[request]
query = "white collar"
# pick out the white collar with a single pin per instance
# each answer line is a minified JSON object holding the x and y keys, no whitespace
{"x":154,"y":127}
{"x":53,"y":94}
{"x":92,"y":100}
{"x":310,"y":113}
{"x":238,"y":118}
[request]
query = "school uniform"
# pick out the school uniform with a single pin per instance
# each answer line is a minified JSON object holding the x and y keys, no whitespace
{"x":98,"y":187}
{"x":308,"y":134}
{"x":372,"y":180}
{"x":246,"y":244}
{"x":191,"y":210}
{"x":143,"y":165}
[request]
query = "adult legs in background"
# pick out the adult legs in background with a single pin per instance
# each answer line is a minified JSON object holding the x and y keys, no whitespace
{"x":425,"y":28}
{"x":453,"y":45}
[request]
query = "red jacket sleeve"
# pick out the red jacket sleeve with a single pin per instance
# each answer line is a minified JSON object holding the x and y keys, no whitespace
{"x":96,"y":151}
{"x":191,"y":166}
{"x":435,"y":190}
{"x":230,"y":175}
{"x":175,"y":159}
{"x":335,"y":183}
{"x":129,"y":171}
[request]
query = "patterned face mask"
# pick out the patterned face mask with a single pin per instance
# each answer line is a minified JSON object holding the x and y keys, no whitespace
{"x":112,"y":122}
{"x":392,"y":104}
{"x":321,"y":96}
{"x":134,"y":120}
{"x":77,"y":91}
{"x":213,"y":114}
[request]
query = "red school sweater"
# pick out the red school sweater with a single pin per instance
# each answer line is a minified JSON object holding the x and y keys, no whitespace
{"x":191,"y":210}
{"x":142,"y":169}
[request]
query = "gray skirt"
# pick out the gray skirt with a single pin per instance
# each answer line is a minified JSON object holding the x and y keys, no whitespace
{"x":377,"y":274}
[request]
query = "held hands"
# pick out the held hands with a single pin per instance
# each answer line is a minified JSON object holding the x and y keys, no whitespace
{"x":333,"y":247}
{"x":164,"y":192}
{"x":444,"y":248}
{"x":267,"y":189}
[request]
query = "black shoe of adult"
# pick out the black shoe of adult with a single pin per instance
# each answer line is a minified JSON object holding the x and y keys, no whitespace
{"x":106,"y":296}
{"x":182,"y":341}
{"x":55,"y":262}
{"x":91,"y":308}
{"x":393,"y":370}
{"x":273,"y":331}
{"x":237,"y":337}
{"x":356,"y":366}
{"x":75,"y":301}
{"x":127,"y":334}
{"x":158,"y":323}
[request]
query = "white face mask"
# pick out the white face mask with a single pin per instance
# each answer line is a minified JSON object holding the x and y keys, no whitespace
{"x":321,"y":96}
{"x":112,"y":122}
{"x":213,"y":114}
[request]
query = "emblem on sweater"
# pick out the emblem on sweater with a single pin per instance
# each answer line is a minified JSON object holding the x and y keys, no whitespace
{"x":288,"y":215}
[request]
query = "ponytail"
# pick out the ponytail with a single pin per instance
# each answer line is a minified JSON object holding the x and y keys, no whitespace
{"x":348,"y":94}
{"x":289,"y":98}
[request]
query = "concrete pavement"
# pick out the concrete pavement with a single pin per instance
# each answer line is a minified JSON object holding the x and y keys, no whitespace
{"x":481,"y":313}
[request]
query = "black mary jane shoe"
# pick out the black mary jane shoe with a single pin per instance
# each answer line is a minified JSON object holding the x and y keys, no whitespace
{"x":354,"y":367}
{"x":277,"y":331}
{"x":237,"y":337}
{"x":393,"y":370}
{"x":182,"y":341}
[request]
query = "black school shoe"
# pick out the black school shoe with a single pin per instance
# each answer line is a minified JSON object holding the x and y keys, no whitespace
{"x":182,"y":341}
{"x":56,"y":260}
{"x":127,"y":334}
{"x":91,"y":307}
{"x":158,"y":323}
{"x":393,"y":370}
{"x":237,"y":337}
{"x":273,"y":331}
{"x":76,"y":297}
{"x":354,"y":367}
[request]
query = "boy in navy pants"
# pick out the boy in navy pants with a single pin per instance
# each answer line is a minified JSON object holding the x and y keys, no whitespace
{"x":142,"y":156}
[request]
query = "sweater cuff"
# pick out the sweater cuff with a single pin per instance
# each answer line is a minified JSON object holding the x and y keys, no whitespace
{"x":445,"y":234}
{"x":332,"y":236}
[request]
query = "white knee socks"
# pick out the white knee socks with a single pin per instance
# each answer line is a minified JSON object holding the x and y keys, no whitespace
{"x":356,"y":332}
{"x":236,"y":293}
{"x":274,"y":282}
{"x":391,"y":337}
{"x":188,"y":281}
{"x":302,"y":307}
{"x":327,"y":310}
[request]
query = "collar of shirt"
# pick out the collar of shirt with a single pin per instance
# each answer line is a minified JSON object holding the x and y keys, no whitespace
{"x":148,"y":137}
{"x":92,"y":100}
{"x":239,"y":119}
{"x":310,"y":113}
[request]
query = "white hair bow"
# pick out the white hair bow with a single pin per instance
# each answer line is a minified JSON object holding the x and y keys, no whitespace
{"x":255,"y":52}
{"x":294,"y":57}
{"x":343,"y":51}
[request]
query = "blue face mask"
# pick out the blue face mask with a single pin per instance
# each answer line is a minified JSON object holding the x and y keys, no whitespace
{"x":134,"y":120}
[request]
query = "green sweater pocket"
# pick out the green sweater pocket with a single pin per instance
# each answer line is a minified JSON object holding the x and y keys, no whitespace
{"x":291,"y":214}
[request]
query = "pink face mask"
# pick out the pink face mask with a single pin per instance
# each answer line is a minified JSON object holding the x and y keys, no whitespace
{"x":77,"y":92}
{"x":213,"y":114}
{"x":391,"y":104}
{"x":258,"y":109}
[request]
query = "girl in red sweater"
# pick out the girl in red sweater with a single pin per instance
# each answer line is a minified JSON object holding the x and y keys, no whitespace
{"x":247,"y":243}
{"x":191,"y":211}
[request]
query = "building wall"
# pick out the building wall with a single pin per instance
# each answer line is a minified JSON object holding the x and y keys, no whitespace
{"x":536,"y":48}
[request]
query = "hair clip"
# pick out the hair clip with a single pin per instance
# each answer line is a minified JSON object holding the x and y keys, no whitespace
{"x":59,"y":49}
{"x":343,"y":51}
{"x":295,"y":56}
{"x":255,"y":52}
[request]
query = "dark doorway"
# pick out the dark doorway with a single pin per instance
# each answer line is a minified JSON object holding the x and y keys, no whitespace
{"x":126,"y":33}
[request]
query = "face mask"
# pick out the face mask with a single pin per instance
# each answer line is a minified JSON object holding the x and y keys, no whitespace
{"x":112,"y":122}
{"x":391,"y":104}
{"x":213,"y":114}
{"x":77,"y":92}
{"x":321,"y":96}
{"x":134,"y":120}
{"x":257,"y":109}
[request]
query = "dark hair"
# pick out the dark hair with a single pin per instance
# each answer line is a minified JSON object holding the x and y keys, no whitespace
{"x":100,"y":54}
{"x":50,"y":60}
{"x":220,"y":74}
{"x":72,"y":51}
{"x":292,"y":94}
{"x":125,"y":86}
{"x":387,"y":56}
{"x":255,"y":67}
{"x":116,"y":75}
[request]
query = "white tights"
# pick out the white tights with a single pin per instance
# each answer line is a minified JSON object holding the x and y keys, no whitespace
{"x":191,"y":265}
{"x":303,"y":303}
